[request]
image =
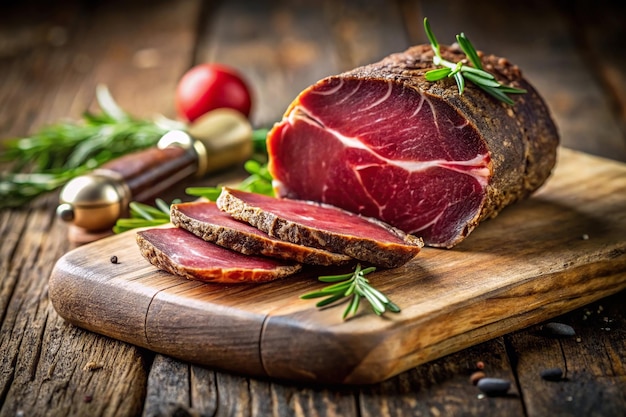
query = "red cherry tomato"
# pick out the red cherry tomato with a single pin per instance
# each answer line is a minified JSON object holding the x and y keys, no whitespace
{"x":207,"y":87}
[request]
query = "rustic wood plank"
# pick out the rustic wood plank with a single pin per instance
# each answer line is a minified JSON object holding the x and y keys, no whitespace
{"x":443,"y":387}
{"x":226,"y":394}
{"x":132,"y":55}
{"x":203,"y":390}
{"x":168,"y":388}
{"x":283,"y":47}
{"x":18,"y":306}
{"x":538,"y":37}
{"x":145,"y":52}
{"x":46,"y":361}
{"x":48,"y":365}
{"x":593,"y":360}
{"x":240,"y":396}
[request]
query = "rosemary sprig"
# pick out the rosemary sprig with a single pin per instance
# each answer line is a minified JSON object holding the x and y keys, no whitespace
{"x":57,"y":153}
{"x":460,"y":71}
{"x":355,"y":286}
{"x":143,"y":215}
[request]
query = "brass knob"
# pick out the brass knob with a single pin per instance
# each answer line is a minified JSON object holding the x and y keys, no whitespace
{"x":94,"y":201}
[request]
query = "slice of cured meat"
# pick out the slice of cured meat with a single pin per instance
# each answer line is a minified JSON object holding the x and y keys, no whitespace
{"x":182,"y":253}
{"x":207,"y":221}
{"x":322,"y":226}
{"x":382,"y":141}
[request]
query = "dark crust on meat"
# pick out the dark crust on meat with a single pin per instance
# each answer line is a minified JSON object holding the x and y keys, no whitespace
{"x":522,"y":139}
{"x":235,"y":276}
{"x":371,"y":251}
{"x":251,"y":244}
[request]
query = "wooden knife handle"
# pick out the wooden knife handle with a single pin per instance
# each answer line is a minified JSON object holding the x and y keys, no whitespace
{"x":95,"y":201}
{"x":149,"y":172}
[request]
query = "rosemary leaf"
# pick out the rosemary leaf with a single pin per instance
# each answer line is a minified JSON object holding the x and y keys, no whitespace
{"x":497,"y":94}
{"x":382,"y":297}
{"x":340,"y":286}
{"x":210,"y":193}
{"x":367,"y":271}
{"x":377,"y":305}
{"x":353,"y":307}
{"x":108,"y":105}
{"x":437,"y":74}
{"x":392,"y":307}
{"x":468,"y":49}
{"x":512,"y":90}
{"x":329,"y":300}
{"x":479,"y":72}
{"x":481,"y":81}
{"x":123,"y":225}
{"x":431,"y":37}
{"x":259,"y":137}
{"x":460,"y":82}
{"x":334,"y":278}
{"x":315,"y":294}
{"x":144,"y":215}
{"x":141,"y":210}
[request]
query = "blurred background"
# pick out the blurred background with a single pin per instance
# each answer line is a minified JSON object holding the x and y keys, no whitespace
{"x":52,"y":54}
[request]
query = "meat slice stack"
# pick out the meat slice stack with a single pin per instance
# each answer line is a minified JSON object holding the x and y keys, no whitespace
{"x":207,"y":221}
{"x":248,"y":237}
{"x":322,"y":226}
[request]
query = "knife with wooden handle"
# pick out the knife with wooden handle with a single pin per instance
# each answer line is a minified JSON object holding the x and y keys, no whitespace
{"x":93,"y":202}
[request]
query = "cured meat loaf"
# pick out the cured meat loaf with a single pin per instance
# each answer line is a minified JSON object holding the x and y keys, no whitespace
{"x":207,"y":221}
{"x":384,"y":142}
{"x":181,"y":253}
{"x":322,"y":226}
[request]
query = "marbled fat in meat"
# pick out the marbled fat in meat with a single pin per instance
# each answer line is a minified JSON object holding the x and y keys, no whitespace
{"x":383,"y":142}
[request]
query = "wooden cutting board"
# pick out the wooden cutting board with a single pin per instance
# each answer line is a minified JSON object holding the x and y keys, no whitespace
{"x":561,"y":249}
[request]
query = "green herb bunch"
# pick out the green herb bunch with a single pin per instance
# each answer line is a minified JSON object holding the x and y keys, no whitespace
{"x":353,"y":286}
{"x":144,"y":215}
{"x":57,"y":153}
{"x":460,"y":71}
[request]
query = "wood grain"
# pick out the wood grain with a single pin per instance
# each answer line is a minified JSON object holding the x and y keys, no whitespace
{"x":53,"y":55}
{"x":597,"y":330}
{"x":414,"y":392}
{"x":557,"y":251}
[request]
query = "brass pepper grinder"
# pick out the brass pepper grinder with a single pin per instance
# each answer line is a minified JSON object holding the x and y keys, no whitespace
{"x":92,"y":203}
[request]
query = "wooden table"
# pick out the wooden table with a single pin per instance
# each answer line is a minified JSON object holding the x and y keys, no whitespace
{"x":52,"y":57}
